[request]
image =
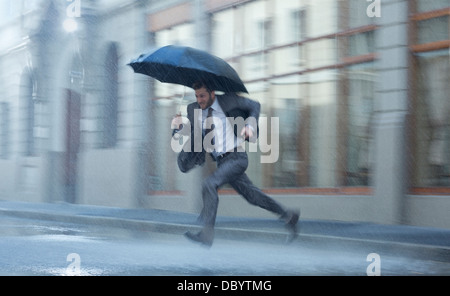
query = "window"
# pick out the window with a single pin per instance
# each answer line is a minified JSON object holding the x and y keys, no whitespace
{"x":287,"y":170}
{"x":27,"y":114}
{"x":432,"y":30}
{"x":429,"y":5}
{"x":357,"y":50}
{"x":359,"y":144}
{"x":432,"y":114}
{"x":357,"y":13}
{"x":298,"y":20}
{"x":256,"y":26}
{"x":265,"y":33}
{"x":111,"y":99}
{"x":361,"y":43}
{"x":223,"y":33}
{"x":322,"y":123}
{"x":430,"y":94}
{"x":4,"y":130}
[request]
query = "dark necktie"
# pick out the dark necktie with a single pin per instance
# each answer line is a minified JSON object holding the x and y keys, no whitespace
{"x":209,"y":120}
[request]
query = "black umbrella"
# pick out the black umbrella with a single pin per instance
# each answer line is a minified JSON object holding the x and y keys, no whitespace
{"x":185,"y":65}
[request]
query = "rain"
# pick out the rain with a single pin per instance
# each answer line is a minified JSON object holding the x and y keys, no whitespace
{"x":353,"y":133}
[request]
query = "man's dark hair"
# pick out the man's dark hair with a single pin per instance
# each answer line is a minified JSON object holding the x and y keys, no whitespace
{"x":201,"y":84}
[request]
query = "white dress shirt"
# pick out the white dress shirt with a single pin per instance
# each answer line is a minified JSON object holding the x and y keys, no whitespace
{"x":225,"y":139}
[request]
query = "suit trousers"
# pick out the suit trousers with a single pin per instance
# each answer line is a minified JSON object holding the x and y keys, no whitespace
{"x":231,"y":169}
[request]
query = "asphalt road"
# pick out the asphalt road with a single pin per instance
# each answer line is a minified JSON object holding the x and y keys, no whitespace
{"x":37,"y":247}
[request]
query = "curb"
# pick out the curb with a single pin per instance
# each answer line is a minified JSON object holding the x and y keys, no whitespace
{"x":428,"y":252}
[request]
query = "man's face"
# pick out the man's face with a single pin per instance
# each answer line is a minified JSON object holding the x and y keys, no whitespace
{"x":204,"y":98}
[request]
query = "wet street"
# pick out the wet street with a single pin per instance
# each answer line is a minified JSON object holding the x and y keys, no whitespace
{"x":35,"y":247}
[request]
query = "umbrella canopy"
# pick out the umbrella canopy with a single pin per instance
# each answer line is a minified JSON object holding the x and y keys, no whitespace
{"x":185,"y":65}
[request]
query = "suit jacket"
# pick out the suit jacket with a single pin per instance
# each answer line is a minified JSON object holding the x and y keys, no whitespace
{"x":234,"y":107}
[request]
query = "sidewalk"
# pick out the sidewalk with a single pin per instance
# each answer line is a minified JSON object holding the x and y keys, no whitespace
{"x":395,"y":238}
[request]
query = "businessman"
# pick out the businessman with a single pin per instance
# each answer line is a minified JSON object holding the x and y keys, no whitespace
{"x":219,"y":126}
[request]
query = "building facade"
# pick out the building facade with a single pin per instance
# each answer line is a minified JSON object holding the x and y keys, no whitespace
{"x":354,"y":94}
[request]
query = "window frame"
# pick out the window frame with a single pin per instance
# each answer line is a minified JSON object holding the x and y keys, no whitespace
{"x":416,"y":48}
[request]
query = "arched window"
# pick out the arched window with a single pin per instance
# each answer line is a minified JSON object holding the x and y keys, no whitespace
{"x":4,"y":130}
{"x":111,"y":98}
{"x":27,"y":114}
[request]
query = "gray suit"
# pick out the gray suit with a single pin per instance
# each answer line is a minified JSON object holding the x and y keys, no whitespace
{"x":234,"y":107}
{"x":230,"y":168}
